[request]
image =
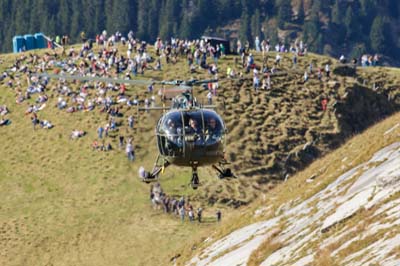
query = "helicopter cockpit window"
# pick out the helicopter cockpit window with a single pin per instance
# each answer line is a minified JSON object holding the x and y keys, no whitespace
{"x":214,"y":128}
{"x":171,"y":131}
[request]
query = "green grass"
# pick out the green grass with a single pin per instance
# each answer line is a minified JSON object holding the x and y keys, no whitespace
{"x":64,"y":204}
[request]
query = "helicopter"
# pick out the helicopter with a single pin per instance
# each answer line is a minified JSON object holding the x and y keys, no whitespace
{"x":188,"y":133}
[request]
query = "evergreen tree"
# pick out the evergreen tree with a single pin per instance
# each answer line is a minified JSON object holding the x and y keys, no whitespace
{"x":300,"y":12}
{"x":76,"y":21}
{"x":284,"y":12}
{"x":378,"y":35}
{"x":108,"y":8}
{"x":143,"y":19}
{"x":336,"y":15}
{"x":89,"y":13}
{"x":121,"y":15}
{"x":352,"y":26}
{"x":63,"y":17}
{"x":256,"y":24}
{"x":153,"y":19}
{"x":244,"y":31}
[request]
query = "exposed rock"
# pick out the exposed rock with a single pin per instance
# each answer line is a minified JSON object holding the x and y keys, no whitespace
{"x":362,"y":187}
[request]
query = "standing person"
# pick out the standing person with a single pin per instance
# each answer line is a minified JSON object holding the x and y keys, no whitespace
{"x":121,"y":141}
{"x":257,"y":44}
{"x":35,"y":120}
{"x":182,"y":213}
{"x":129,"y":151}
{"x":219,"y":216}
{"x":100,"y":131}
{"x":191,"y":214}
{"x":324,"y":104}
{"x":319,"y":73}
{"x":199,"y":214}
{"x":305,"y":76}
{"x":327,"y":70}
{"x":130,"y":121}
{"x":209,"y":97}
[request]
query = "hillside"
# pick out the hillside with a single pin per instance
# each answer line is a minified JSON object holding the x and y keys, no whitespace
{"x":63,"y":203}
{"x":342,"y":210}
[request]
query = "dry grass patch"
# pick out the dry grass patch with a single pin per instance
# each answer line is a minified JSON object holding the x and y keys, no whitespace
{"x":268,"y":246}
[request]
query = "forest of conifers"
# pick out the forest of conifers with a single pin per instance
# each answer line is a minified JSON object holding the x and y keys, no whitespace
{"x":351,"y":27}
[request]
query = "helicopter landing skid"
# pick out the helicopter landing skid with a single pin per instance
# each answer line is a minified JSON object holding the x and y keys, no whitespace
{"x":223,"y":172}
{"x":195,"y":182}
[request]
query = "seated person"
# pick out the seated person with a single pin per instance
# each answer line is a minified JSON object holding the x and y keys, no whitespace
{"x":213,"y":133}
{"x":77,"y":134}
{"x":174,"y":134}
{"x":3,"y":122}
{"x":46,"y":124}
{"x":142,"y":173}
{"x":195,"y":130}
{"x":193,"y":127}
{"x":3,"y":110}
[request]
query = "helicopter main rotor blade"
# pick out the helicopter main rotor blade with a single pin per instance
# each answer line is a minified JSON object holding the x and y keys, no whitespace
{"x":185,"y":84}
{"x":100,"y":79}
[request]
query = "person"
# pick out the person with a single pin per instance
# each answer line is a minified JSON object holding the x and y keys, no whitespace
{"x":209,"y":97}
{"x":305,"y":76}
{"x":213,"y":132}
{"x":4,"y":121}
{"x":342,"y":59}
{"x":256,"y":83}
{"x":130,"y":121}
{"x":34,"y":120}
{"x":219,"y":215}
{"x":182,"y":213}
{"x":129,"y":151}
{"x":327,"y":70}
{"x":121,"y":141}
{"x":257,"y":44}
{"x":100,"y":131}
{"x":319,"y":74}
{"x":143,"y":174}
{"x":199,"y":214}
{"x":46,"y":124}
{"x":172,"y":137}
{"x":193,"y":127}
{"x":324,"y":104}
{"x":278,"y":59}
{"x":191,"y":214}
{"x":77,"y":134}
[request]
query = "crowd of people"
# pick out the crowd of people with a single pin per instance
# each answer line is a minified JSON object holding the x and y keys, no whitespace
{"x":177,"y":206}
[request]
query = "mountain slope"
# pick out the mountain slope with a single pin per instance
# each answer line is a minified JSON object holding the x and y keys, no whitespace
{"x":65,"y":204}
{"x":344,"y":211}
